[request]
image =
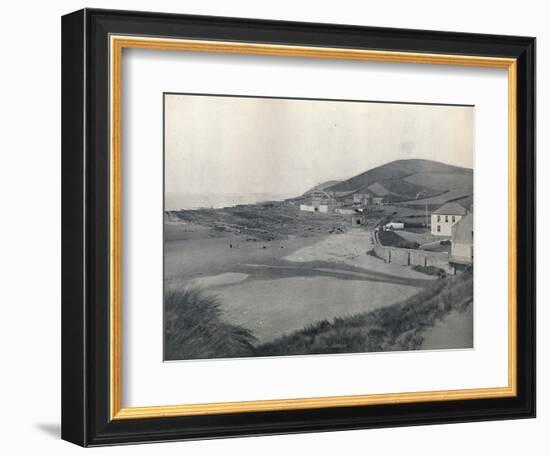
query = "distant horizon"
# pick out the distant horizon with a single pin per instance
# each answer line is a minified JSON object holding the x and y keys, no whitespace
{"x":287,"y":146}
{"x":286,"y":193}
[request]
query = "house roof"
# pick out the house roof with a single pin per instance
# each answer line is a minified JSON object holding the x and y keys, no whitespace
{"x":451,"y":209}
{"x":463,"y":231}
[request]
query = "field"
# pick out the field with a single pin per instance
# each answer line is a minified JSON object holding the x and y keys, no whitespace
{"x":461,"y":195}
{"x":442,"y":181}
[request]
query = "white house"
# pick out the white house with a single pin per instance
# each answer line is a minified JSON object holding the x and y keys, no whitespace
{"x":445,"y":217}
{"x":320,"y":202}
{"x":362,"y":199}
{"x":394,"y":226}
{"x":462,"y":242}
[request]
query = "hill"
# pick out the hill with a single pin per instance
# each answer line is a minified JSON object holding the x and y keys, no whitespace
{"x":323,"y":186}
{"x":405,"y":180}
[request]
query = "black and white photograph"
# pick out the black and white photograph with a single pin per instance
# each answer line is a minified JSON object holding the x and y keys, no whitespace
{"x":316,"y":226}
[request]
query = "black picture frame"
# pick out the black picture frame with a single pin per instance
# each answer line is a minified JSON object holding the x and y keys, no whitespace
{"x":85,"y":228}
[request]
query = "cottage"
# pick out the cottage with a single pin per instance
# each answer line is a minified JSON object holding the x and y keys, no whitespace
{"x":445,"y":217}
{"x":394,"y":226}
{"x":378,"y":200}
{"x":320,"y":202}
{"x":357,"y":220}
{"x":358,"y":198}
{"x":346,"y":211}
{"x":462,"y":242}
{"x":362,"y":199}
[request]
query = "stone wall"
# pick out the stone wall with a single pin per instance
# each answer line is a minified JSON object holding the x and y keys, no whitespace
{"x":412,"y":257}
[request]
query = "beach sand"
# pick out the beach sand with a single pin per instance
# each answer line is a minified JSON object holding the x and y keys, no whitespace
{"x":277,"y":287}
{"x":351,"y":248}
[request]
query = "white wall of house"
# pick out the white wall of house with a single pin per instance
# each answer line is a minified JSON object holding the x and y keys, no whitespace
{"x":345,"y":211}
{"x":462,"y":251}
{"x":314,"y":208}
{"x":441,"y":224}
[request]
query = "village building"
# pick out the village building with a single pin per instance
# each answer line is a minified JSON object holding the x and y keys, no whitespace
{"x":394,"y":226}
{"x":362,"y":199}
{"x":346,"y":210}
{"x":462,"y":241}
{"x":320,"y":201}
{"x":357,"y":220}
{"x":378,"y":200}
{"x":445,"y":217}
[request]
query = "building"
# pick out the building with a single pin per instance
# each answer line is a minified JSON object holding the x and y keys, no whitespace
{"x":357,"y":220}
{"x":445,"y":217}
{"x":362,"y":199}
{"x":378,"y":200}
{"x":346,"y":210}
{"x":462,"y":241}
{"x":320,"y":202}
{"x":394,"y":226}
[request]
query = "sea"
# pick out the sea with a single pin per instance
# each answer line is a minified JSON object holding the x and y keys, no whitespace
{"x":178,"y":201}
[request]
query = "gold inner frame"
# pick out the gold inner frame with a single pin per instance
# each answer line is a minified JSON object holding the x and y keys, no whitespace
{"x":117,"y":44}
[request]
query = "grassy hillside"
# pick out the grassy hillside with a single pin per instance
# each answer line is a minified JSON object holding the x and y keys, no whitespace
{"x":443,"y":181}
{"x":397,"y":327}
{"x":461,"y":196}
{"x":397,"y":170}
{"x":401,"y":190}
{"x":323,"y":186}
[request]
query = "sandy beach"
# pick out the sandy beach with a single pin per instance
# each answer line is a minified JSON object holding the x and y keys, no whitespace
{"x":351,"y":248}
{"x":280,"y":286}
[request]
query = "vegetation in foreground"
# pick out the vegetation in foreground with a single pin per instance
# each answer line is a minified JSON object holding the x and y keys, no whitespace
{"x":195,"y":329}
{"x":394,"y":328}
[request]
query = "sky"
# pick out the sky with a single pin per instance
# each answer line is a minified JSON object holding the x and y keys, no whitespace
{"x":240,"y":145}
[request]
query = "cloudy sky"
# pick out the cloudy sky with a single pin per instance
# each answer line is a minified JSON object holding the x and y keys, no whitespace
{"x":253,"y":145}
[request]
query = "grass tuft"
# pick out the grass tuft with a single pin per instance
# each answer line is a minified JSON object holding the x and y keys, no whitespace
{"x":194,"y":328}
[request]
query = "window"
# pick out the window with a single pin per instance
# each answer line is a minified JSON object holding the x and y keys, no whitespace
{"x":453,"y":218}
{"x":439,"y":218}
{"x":438,"y":228}
{"x":446,"y":219}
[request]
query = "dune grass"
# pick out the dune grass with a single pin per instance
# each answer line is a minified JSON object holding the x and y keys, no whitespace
{"x":194,"y":328}
{"x":394,"y":328}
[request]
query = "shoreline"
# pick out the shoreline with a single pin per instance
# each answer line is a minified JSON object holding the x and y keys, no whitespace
{"x":276,"y":287}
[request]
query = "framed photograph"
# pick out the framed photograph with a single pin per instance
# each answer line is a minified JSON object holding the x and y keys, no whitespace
{"x":271,"y":227}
